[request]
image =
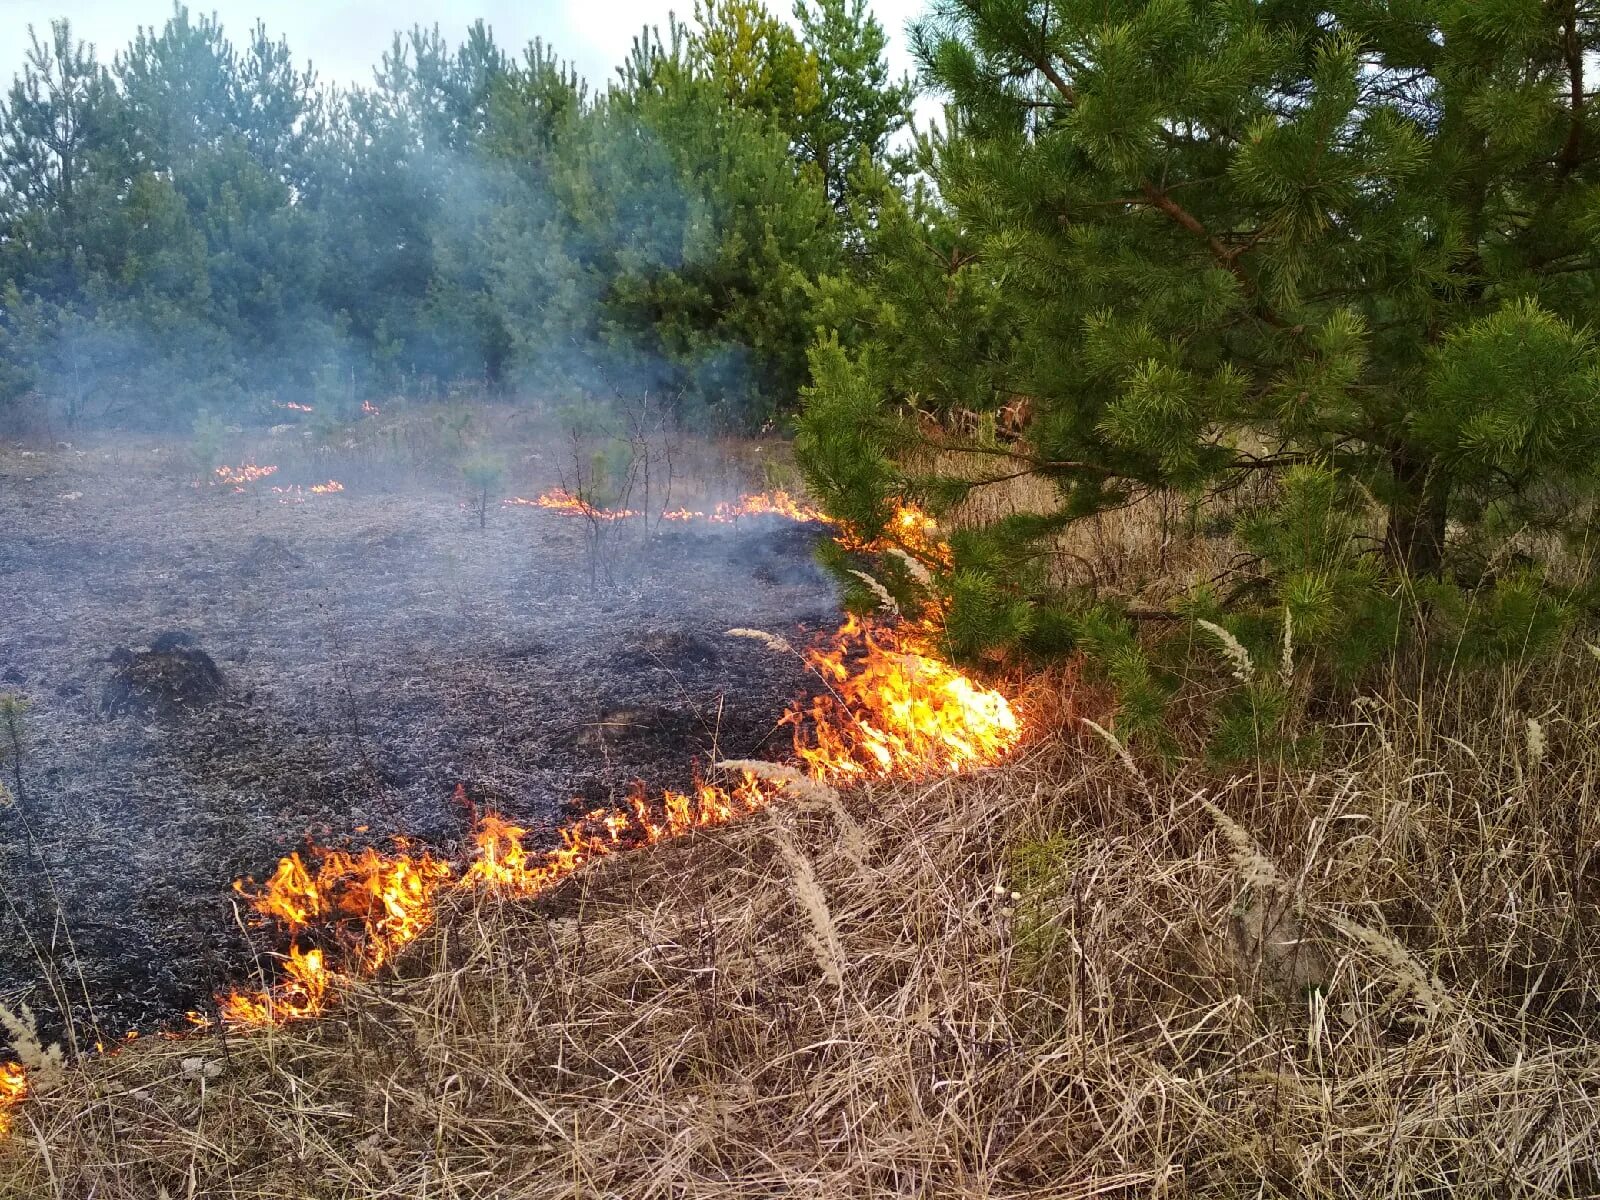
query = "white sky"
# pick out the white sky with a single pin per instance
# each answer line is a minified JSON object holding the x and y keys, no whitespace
{"x":345,"y":38}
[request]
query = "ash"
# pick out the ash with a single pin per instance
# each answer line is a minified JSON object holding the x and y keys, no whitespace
{"x":372,"y":650}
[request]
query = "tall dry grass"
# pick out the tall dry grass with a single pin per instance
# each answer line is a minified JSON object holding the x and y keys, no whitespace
{"x":1157,"y":546}
{"x":1059,"y":978}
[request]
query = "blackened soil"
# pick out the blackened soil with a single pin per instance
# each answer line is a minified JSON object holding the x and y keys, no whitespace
{"x":375,"y":650}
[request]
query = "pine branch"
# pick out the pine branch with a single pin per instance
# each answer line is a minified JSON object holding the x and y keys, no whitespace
{"x":1162,"y":200}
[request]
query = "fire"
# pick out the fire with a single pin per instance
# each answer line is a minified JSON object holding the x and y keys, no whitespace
{"x":13,"y":1091}
{"x":909,"y":529}
{"x":893,"y":708}
{"x":889,"y":707}
{"x":776,"y":503}
{"x":295,"y":494}
{"x":563,"y":501}
{"x":369,"y":408}
{"x":241,"y":476}
{"x":293,"y":406}
{"x":369,"y":904}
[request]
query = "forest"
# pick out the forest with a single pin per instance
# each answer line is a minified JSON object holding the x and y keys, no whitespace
{"x":1045,"y":648}
{"x":196,"y":224}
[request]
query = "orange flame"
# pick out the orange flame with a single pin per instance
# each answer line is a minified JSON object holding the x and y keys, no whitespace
{"x":13,"y":1091}
{"x":777,"y":503}
{"x":561,"y":500}
{"x":891,"y":707}
{"x":370,"y":903}
{"x":242,"y":475}
{"x":295,"y":494}
{"x":371,"y":409}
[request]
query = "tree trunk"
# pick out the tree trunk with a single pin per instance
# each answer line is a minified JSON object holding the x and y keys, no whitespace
{"x":1415,"y":535}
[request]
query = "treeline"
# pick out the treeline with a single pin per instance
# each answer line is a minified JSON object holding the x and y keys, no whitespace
{"x":201,"y":224}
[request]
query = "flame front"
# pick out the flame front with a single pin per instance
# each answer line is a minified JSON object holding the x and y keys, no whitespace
{"x":562,"y":501}
{"x":893,"y":708}
{"x":295,"y":494}
{"x":890,"y":708}
{"x":238,"y":478}
{"x":776,"y":503}
{"x":367,"y":905}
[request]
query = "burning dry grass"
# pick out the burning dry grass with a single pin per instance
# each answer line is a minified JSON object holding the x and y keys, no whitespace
{"x":777,"y":503}
{"x":1050,"y":978}
{"x":888,"y":708}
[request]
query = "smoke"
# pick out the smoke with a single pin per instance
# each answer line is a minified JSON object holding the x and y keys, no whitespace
{"x":465,"y":223}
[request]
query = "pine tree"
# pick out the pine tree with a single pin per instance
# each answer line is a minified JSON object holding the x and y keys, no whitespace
{"x":1346,"y":249}
{"x":859,"y":108}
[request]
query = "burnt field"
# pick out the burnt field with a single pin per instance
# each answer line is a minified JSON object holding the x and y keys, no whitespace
{"x":212,"y":677}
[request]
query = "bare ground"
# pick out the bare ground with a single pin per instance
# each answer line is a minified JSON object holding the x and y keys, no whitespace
{"x":376,"y":648}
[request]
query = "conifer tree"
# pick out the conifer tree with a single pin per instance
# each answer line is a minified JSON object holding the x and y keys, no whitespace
{"x":860,"y":107}
{"x":1347,"y":250}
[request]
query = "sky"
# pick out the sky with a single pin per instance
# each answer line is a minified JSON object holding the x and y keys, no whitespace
{"x":344,"y":39}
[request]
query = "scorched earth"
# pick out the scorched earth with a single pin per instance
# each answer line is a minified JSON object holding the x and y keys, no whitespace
{"x":373,"y":648}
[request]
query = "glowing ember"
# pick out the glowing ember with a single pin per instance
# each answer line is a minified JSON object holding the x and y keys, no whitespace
{"x":293,"y":407}
{"x":13,"y":1091}
{"x":371,"y":409}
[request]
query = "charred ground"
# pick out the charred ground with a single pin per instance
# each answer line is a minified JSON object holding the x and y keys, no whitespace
{"x":375,"y":648}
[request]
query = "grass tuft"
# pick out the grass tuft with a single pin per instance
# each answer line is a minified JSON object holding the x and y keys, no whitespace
{"x":1375,"y":977}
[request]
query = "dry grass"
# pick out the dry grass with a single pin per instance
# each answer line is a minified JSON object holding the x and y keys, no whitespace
{"x":1053,"y":979}
{"x":1154,"y":548}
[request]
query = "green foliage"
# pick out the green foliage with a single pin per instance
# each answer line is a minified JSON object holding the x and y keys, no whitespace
{"x":201,"y":220}
{"x":1326,"y":272}
{"x":842,"y":440}
{"x":858,"y":106}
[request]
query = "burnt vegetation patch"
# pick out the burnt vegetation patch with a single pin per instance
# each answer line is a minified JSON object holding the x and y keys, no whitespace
{"x":172,"y":675}
{"x":332,"y":670}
